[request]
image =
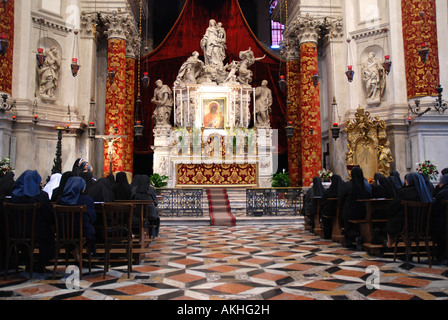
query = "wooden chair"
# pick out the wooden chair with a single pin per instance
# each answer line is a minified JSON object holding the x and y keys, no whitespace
{"x":69,"y":222}
{"x":117,"y":219}
{"x":143,"y":229}
{"x":417,"y":217}
{"x":20,"y":231}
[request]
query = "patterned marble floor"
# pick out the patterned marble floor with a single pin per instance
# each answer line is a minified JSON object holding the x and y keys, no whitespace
{"x":250,"y":262}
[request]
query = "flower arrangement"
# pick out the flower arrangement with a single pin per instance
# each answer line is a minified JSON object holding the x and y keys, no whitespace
{"x":325,"y":174}
{"x":428,"y":168}
{"x":5,"y":166}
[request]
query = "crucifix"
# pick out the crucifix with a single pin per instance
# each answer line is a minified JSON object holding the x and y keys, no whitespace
{"x":111,"y":138}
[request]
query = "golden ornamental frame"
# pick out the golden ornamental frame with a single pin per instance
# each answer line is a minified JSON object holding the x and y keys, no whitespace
{"x":367,"y":137}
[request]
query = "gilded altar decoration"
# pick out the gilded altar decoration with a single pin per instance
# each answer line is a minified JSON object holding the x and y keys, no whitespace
{"x":368,"y":145}
{"x":422,"y":78}
{"x":217,"y":174}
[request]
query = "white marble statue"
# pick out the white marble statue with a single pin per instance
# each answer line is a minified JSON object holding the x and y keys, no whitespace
{"x":163,"y":99}
{"x":213,"y":44}
{"x":263,"y":103}
{"x":190,"y":70}
{"x":374,"y":78}
{"x":247,"y":60}
{"x":48,"y":74}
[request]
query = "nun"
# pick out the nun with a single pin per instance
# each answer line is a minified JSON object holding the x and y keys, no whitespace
{"x":55,"y":179}
{"x":27,"y":190}
{"x":73,"y":195}
{"x":414,"y":189}
{"x":142,"y":190}
{"x":356,"y":189}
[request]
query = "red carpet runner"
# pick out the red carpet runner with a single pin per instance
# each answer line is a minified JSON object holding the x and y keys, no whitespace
{"x":219,"y":206}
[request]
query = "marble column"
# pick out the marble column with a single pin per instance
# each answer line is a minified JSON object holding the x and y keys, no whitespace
{"x":310,"y":118}
{"x":117,"y":31}
{"x":421,"y":78}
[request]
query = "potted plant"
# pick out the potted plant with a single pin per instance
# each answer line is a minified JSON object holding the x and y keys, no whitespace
{"x":281,"y":180}
{"x":158,"y":181}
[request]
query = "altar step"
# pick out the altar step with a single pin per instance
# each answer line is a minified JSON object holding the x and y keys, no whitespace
{"x":237,"y":199}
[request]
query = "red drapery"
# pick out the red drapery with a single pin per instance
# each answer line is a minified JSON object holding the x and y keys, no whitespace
{"x":184,"y":38}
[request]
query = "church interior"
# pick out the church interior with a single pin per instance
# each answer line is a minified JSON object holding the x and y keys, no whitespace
{"x":220,"y":101}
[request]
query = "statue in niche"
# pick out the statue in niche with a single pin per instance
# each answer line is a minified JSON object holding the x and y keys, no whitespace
{"x":190,"y":70}
{"x":213,"y":44}
{"x":374,"y":78}
{"x":163,"y":99}
{"x":263,"y":103}
{"x":247,"y":60}
{"x":48,"y":74}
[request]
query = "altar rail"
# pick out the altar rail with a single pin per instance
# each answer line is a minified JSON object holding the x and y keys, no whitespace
{"x":180,"y":202}
{"x":273,"y":201}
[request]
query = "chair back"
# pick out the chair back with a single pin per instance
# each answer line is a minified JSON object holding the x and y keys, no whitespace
{"x":417,"y":217}
{"x":117,"y":219}
{"x":20,"y":221}
{"x":69,"y":221}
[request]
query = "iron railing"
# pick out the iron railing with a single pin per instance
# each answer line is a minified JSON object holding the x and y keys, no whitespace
{"x":273,"y":201}
{"x":180,"y":202}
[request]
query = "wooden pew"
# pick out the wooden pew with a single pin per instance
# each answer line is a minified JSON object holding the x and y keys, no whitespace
{"x":318,"y":231}
{"x":366,"y":225}
{"x":337,"y":233}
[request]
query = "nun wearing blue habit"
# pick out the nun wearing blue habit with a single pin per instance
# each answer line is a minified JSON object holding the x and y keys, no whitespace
{"x":27,"y":190}
{"x":73,"y":196}
{"x":414,"y":189}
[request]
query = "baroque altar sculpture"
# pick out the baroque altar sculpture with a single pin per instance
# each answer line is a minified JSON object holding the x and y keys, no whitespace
{"x":211,"y":106}
{"x":368,"y":145}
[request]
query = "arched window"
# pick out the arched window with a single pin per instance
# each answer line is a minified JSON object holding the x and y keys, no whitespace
{"x":276,"y":28}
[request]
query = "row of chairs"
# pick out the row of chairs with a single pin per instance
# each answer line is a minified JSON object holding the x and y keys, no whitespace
{"x":416,"y":230}
{"x":20,"y":220}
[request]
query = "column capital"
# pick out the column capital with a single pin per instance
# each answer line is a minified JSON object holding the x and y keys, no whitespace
{"x":308,"y":29}
{"x":88,"y":24}
{"x":133,"y":46}
{"x":118,"y":24}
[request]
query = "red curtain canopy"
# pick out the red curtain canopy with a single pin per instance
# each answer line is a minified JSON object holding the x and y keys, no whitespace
{"x":184,"y":38}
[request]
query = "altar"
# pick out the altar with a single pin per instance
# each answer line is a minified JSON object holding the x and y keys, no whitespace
{"x":221,"y":133}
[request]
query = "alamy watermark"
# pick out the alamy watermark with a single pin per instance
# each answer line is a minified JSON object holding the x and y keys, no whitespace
{"x":373,"y":281}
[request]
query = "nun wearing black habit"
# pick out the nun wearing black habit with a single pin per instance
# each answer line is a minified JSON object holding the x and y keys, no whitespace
{"x":142,"y":190}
